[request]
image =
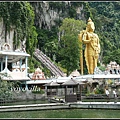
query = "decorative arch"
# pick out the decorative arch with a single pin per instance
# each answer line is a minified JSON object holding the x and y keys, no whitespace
{"x":6,"y":46}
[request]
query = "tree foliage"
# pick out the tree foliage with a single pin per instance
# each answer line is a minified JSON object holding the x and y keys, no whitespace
{"x":20,"y":17}
{"x":5,"y":87}
{"x":105,"y":15}
{"x":107,"y":20}
{"x":69,"y":45}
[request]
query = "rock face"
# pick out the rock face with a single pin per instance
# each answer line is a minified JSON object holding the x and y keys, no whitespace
{"x":49,"y":14}
{"x":2,"y":36}
{"x":9,"y":37}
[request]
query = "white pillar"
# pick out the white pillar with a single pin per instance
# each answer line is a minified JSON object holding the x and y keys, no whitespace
{"x":26,"y":86}
{"x":21,"y":65}
{"x":26,"y":65}
{"x":1,"y":64}
{"x":6,"y":57}
{"x":46,"y":90}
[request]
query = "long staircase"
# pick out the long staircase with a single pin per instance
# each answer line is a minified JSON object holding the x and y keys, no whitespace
{"x":48,"y":63}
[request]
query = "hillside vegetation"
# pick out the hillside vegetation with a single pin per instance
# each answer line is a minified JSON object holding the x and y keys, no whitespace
{"x":28,"y":19}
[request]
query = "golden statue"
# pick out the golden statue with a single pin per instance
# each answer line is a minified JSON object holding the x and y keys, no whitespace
{"x":92,"y":49}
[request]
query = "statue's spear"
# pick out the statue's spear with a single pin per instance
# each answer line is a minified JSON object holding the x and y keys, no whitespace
{"x":81,"y":52}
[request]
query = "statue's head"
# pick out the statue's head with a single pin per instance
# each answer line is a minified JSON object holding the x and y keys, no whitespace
{"x":90,"y":25}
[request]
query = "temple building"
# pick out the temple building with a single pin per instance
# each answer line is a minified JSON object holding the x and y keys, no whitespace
{"x":75,"y":73}
{"x":11,"y":64}
{"x":113,"y":68}
{"x":38,"y":75}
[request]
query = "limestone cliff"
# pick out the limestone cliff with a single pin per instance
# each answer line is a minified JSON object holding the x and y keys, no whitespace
{"x":49,"y":14}
{"x":2,"y":35}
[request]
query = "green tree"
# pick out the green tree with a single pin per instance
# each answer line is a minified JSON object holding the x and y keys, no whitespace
{"x":107,"y":21}
{"x":20,"y":16}
{"x":69,"y":45}
{"x":5,"y":87}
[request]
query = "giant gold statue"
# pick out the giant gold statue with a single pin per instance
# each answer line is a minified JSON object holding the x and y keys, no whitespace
{"x":92,"y":50}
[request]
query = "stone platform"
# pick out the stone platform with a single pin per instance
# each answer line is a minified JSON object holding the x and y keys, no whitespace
{"x":80,"y":105}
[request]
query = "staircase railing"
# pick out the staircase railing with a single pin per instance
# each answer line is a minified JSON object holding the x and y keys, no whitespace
{"x":48,"y":63}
